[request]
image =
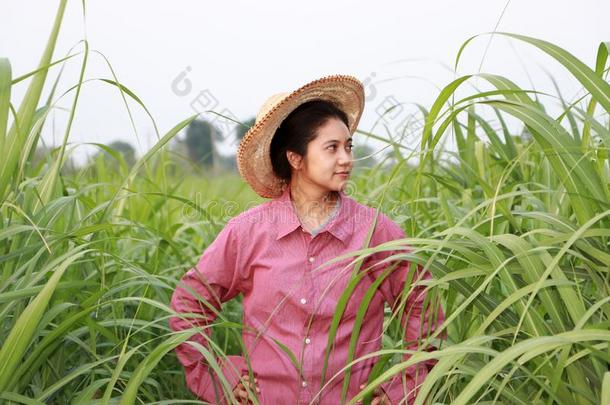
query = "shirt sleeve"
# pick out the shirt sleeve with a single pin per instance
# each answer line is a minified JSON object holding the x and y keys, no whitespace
{"x":417,"y":322}
{"x":200,"y":293}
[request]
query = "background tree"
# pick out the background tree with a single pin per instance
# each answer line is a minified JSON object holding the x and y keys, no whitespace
{"x":199,"y":142}
{"x":364,"y":152}
{"x":242,"y":129}
{"x":125,"y":149}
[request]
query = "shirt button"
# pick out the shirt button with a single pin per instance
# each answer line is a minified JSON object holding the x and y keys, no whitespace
{"x":311,"y":259}
{"x":303,"y":301}
{"x":304,"y":384}
{"x":307,"y":340}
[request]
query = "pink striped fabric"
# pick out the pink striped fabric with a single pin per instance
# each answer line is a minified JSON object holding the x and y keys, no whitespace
{"x":289,"y":300}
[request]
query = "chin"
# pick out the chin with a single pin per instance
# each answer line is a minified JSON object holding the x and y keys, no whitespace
{"x":334,"y":187}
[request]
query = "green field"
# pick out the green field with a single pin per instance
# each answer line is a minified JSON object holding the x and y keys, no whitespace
{"x":513,"y":225}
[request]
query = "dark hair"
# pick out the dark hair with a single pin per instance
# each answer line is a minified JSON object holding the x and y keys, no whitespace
{"x":297,"y":130}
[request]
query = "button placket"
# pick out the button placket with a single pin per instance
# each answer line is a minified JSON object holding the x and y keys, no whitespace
{"x":304,"y":301}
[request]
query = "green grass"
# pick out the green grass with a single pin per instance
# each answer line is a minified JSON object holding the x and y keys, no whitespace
{"x":514,"y":226}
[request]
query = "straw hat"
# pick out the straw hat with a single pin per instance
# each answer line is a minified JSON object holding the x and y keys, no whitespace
{"x":253,"y":153}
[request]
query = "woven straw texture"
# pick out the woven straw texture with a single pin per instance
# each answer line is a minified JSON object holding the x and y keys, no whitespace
{"x":253,"y":153}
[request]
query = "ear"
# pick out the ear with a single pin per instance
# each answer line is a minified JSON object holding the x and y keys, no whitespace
{"x":295,"y":160}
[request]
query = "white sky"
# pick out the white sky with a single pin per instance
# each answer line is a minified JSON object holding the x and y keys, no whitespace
{"x":241,"y":52}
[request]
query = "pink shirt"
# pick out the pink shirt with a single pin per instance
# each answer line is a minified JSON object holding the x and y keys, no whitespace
{"x":290,"y":298}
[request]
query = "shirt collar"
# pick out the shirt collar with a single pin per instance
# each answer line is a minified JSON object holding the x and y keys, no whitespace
{"x":287,"y":220}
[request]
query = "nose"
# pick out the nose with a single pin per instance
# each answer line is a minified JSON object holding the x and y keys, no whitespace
{"x":345,"y":157}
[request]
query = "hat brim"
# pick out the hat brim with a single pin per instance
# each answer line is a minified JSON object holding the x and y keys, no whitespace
{"x":253,"y":153}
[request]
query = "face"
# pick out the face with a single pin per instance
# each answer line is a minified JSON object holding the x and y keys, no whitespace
{"x":328,"y":163}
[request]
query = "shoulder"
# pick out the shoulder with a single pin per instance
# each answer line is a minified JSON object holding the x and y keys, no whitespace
{"x":389,"y":226}
{"x":252,"y":217}
{"x":386,"y":229}
{"x":356,"y":211}
{"x":239,"y":231}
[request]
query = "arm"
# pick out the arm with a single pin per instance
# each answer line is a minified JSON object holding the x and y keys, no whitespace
{"x":417,"y":321}
{"x":214,"y":280}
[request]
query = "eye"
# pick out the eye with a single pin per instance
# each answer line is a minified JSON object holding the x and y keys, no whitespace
{"x":334,"y":147}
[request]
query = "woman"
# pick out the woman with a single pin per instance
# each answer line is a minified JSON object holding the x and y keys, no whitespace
{"x":298,"y":153}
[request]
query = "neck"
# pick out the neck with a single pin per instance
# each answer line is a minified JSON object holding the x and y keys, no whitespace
{"x":312,"y":203}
